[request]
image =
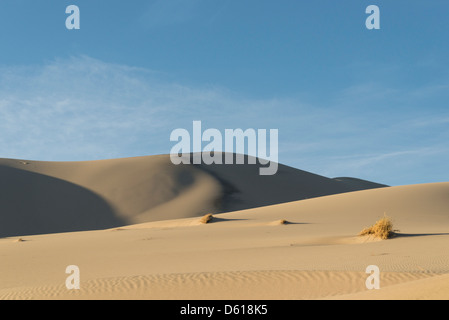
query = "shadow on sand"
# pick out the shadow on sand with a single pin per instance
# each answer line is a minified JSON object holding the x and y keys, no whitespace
{"x":411,"y":235}
{"x":33,"y":203}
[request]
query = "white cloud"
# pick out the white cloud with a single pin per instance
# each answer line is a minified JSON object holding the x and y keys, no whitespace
{"x":84,"y":109}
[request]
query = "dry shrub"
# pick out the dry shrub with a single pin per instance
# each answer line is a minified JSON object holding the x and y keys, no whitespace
{"x":382,"y":229}
{"x":207,"y":218}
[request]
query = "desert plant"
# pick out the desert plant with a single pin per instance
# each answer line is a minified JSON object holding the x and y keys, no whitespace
{"x":207,"y":218}
{"x":382,"y":229}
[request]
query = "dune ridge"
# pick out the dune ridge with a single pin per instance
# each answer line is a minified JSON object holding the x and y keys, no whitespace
{"x":306,"y":248}
{"x":51,"y":197}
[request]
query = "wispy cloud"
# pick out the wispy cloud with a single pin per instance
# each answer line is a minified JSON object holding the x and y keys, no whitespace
{"x":83,"y":109}
{"x":74,"y":107}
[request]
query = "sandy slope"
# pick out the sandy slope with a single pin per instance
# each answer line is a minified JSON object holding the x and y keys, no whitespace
{"x":248,"y":254}
{"x":433,"y":288}
{"x":48,"y":197}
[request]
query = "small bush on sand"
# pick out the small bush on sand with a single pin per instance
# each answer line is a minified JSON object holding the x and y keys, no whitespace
{"x":382,"y":229}
{"x":207,"y":218}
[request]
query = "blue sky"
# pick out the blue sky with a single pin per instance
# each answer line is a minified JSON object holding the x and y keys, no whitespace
{"x":347,"y":101}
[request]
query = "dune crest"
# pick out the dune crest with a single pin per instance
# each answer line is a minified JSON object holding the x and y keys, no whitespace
{"x":53,"y":197}
{"x":153,"y":244}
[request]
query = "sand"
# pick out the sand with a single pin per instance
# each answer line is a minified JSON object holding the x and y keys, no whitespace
{"x":133,"y":227}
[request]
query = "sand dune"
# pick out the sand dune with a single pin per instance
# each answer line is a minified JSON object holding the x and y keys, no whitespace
{"x":50,"y":197}
{"x":248,"y":254}
{"x":266,"y":285}
{"x":33,"y":203}
{"x":359,"y":184}
{"x":433,"y":288}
